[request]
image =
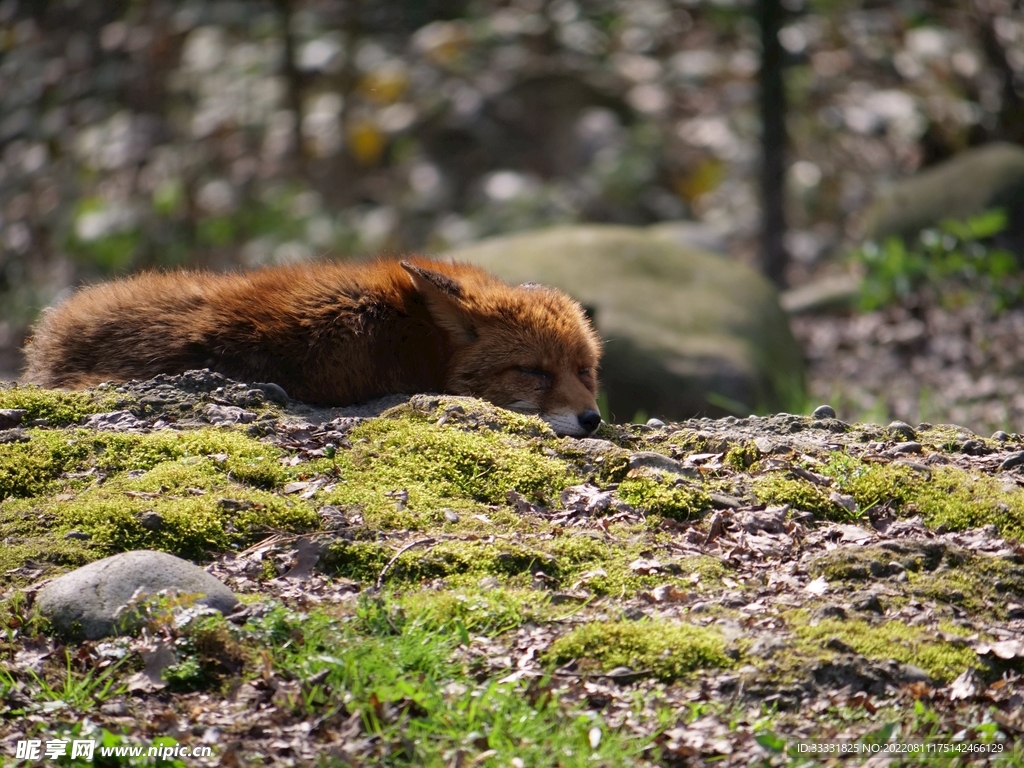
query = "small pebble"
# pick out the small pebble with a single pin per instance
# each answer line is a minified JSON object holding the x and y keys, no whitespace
{"x":869,"y":603}
{"x":655,"y":423}
{"x":1001,"y":436}
{"x":273,"y":391}
{"x":114,"y":708}
{"x":908,"y":447}
{"x":151,"y":521}
{"x":451,"y":516}
{"x":77,"y":535}
{"x":1013,"y":460}
{"x":902,"y":429}
{"x":11,"y":417}
{"x":824,"y":412}
{"x":14,"y":436}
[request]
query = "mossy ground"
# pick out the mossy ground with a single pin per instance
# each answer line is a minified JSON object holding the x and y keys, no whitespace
{"x":98,"y":486}
{"x":419,"y":501}
{"x":943,"y":659}
{"x":662,"y":649}
{"x":950,"y":577}
{"x":57,"y":407}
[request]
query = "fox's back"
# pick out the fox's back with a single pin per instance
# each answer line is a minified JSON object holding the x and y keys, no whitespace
{"x":327,"y":332}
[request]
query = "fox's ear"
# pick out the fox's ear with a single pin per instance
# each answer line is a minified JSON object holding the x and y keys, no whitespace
{"x":444,"y":301}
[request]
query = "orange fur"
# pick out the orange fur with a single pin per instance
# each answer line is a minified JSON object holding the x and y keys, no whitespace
{"x":334,"y":334}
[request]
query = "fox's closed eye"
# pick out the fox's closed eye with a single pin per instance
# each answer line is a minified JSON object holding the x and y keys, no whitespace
{"x":543,"y":378}
{"x":584,"y":372}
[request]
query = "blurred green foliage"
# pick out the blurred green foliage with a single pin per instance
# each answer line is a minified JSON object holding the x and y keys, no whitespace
{"x":957,"y":261}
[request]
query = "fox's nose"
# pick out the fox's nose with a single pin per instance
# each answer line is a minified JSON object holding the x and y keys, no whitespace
{"x":589,"y":420}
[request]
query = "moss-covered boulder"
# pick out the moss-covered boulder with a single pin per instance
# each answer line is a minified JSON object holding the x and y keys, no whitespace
{"x":686,"y":331}
{"x":972,"y":182}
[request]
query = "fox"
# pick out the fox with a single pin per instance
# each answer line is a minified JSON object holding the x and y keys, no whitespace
{"x":335,"y":334}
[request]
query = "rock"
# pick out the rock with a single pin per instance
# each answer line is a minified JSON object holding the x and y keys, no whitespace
{"x":824,"y":412}
{"x":151,"y":520}
{"x":1013,"y":460}
{"x":1000,"y":436}
{"x":658,"y":461}
{"x":970,"y":183}
{"x":88,"y":599}
{"x":869,"y":602}
{"x":832,"y":292}
{"x":274,"y":392}
{"x":830,"y":611}
{"x":115,"y":421}
{"x":908,"y":673}
{"x":902,"y":429}
{"x":908,"y":447}
{"x":228,"y":414}
{"x":11,"y":417}
{"x":686,"y":330}
{"x":14,"y":436}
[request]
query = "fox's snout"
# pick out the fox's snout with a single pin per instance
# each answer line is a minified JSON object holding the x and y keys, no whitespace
{"x":573,"y":424}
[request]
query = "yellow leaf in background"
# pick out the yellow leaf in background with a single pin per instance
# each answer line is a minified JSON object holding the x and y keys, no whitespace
{"x":385,"y":85}
{"x":366,"y":141}
{"x":702,"y":178}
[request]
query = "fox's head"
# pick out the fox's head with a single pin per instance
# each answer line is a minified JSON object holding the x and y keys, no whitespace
{"x":528,"y":348}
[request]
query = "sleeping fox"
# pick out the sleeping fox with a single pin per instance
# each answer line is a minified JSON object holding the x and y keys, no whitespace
{"x":335,"y":334}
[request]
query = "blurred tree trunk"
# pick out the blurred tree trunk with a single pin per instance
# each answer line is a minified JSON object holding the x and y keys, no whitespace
{"x":294,"y":82}
{"x":1011,"y":115}
{"x":773,"y":145}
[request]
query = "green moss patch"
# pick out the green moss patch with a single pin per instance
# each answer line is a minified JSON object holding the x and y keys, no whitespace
{"x":943,"y":495}
{"x":664,"y":650}
{"x":441,"y":467}
{"x":53,"y":461}
{"x":742,"y":455}
{"x":458,"y":562}
{"x":566,"y":561}
{"x":781,"y":488}
{"x":56,"y":406}
{"x":943,"y":660}
{"x":71,"y":497}
{"x":678,"y":501}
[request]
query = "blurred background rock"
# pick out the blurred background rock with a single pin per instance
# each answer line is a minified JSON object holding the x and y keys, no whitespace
{"x":247,"y":132}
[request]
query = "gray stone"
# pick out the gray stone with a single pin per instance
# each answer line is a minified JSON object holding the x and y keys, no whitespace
{"x":902,"y":429}
{"x":908,"y":447}
{"x":824,"y":412}
{"x":151,"y":520}
{"x":1013,"y":460}
{"x":970,"y":183}
{"x":11,"y":417}
{"x":88,"y":600}
{"x":831,"y":292}
{"x":14,"y":436}
{"x":908,"y":673}
{"x":228,"y":414}
{"x":115,"y":420}
{"x":660,"y":463}
{"x":273,"y":391}
{"x":687,"y":332}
